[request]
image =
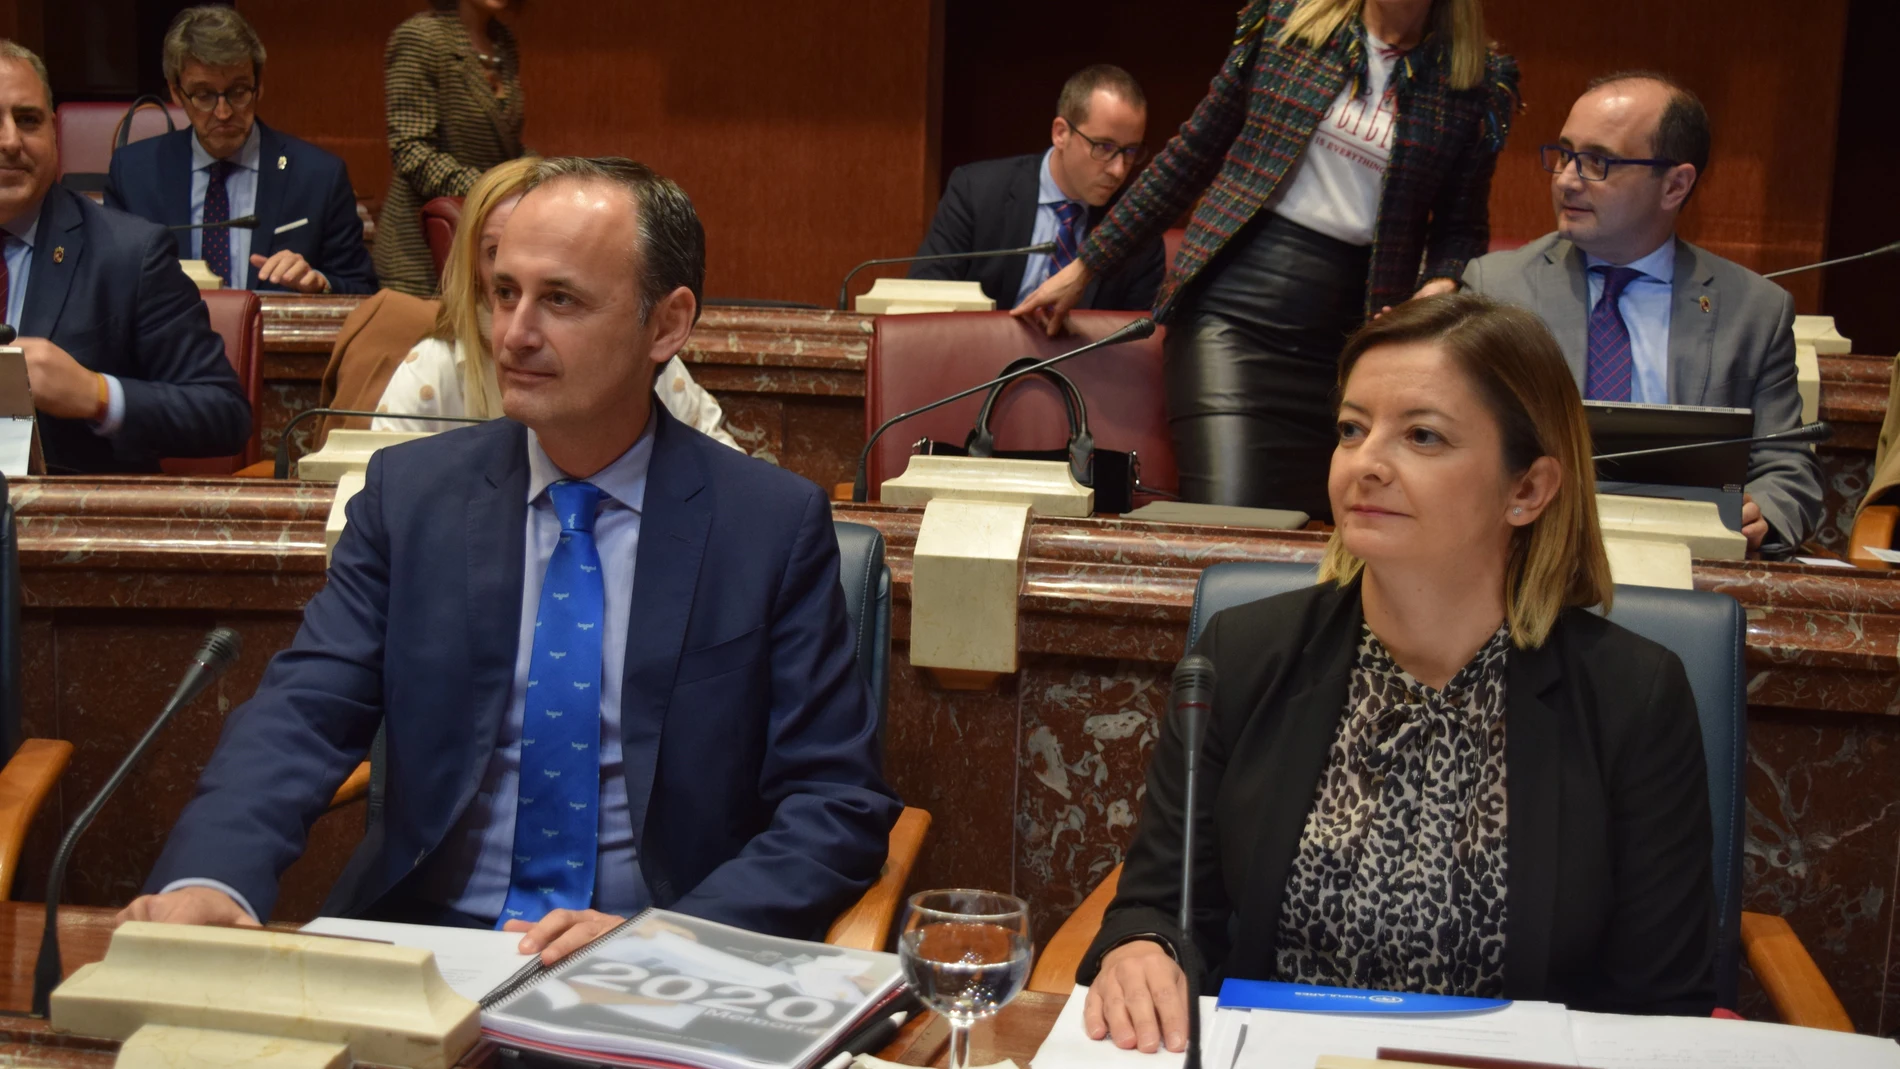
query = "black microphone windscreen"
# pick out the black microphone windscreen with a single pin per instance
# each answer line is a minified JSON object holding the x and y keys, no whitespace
{"x":1194,"y":681}
{"x":220,"y":649}
{"x":1139,"y":329}
{"x":7,"y":334}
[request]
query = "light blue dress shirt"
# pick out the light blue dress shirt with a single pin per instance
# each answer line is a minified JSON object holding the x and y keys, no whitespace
{"x":471,"y":869}
{"x":19,"y":255}
{"x":1048,"y":196}
{"x":240,"y":187}
{"x":1645,"y":307}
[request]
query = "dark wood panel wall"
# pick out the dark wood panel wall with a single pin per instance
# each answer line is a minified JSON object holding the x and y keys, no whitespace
{"x":1769,"y":72}
{"x":804,"y":132}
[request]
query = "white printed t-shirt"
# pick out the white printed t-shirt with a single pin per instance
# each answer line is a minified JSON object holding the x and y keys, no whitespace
{"x":1336,"y":186}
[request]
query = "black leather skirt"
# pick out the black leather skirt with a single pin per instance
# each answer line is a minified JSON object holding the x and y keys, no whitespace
{"x":1252,"y":361}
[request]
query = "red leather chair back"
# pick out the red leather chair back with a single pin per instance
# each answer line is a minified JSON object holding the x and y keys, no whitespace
{"x":238,"y":317}
{"x":86,"y":132}
{"x":916,"y":359}
{"x":440,"y":217}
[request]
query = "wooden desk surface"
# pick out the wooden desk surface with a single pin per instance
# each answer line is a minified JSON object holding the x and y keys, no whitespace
{"x":1015,"y":1033}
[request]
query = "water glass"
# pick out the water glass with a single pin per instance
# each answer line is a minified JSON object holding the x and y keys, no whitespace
{"x":966,"y":954}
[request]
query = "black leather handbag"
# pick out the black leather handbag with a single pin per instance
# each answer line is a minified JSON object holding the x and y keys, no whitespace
{"x":1112,"y":474}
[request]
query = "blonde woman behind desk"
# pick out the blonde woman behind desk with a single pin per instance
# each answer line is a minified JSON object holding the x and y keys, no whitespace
{"x":444,"y":376}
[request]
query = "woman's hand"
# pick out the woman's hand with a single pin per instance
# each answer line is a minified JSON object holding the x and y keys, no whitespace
{"x":1058,"y":295}
{"x":1430,"y":289}
{"x":1139,"y":999}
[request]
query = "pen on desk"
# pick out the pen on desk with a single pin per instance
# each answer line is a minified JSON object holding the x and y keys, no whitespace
{"x":867,"y":1039}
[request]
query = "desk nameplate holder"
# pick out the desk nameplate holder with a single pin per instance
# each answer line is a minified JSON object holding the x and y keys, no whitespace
{"x":19,"y":426}
{"x":178,"y":994}
{"x":967,"y":568}
{"x":343,"y":460}
{"x":1814,"y":337}
{"x":1652,"y":540}
{"x":902,"y":296}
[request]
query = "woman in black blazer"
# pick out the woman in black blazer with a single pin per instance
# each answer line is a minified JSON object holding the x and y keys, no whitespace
{"x":1437,"y":770}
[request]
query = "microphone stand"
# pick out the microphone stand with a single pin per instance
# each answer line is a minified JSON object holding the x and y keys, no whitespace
{"x":1868,"y":255}
{"x":220,"y":649}
{"x":1818,"y":431}
{"x":280,"y":467}
{"x":242,"y":222}
{"x":844,"y":287}
{"x":1134,"y":331}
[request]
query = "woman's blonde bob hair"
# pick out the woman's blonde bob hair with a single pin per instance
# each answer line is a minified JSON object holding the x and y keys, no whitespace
{"x":1509,"y":358}
{"x":1459,"y":23}
{"x":463,"y":316}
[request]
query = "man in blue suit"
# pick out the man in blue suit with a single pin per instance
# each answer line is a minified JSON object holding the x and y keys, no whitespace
{"x":308,"y":238}
{"x":120,"y":354}
{"x":610,"y":654}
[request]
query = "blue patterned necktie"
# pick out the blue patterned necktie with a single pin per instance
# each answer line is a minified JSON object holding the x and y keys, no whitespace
{"x":1068,"y":213}
{"x":215,"y":248}
{"x":1610,"y":366}
{"x":557,"y":821}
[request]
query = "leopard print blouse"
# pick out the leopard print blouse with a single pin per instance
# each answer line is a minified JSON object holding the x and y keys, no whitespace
{"x":1399,"y":881}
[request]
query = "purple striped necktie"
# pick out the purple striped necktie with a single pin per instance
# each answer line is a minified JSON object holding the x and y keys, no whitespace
{"x":1068,"y":213}
{"x":215,"y":248}
{"x":1610,"y":367}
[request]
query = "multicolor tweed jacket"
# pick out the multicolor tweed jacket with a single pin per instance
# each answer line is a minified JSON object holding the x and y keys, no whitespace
{"x":1251,"y":128}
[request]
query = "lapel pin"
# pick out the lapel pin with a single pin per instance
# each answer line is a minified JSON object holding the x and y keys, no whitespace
{"x":283,"y":162}
{"x":59,"y":254}
{"x":1705,"y":304}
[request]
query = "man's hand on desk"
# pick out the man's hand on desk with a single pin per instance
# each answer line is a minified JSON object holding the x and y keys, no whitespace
{"x":562,"y":932}
{"x":290,"y":270}
{"x":61,"y":387}
{"x":188,"y":905}
{"x":1754,"y":528}
{"x":1139,"y":999}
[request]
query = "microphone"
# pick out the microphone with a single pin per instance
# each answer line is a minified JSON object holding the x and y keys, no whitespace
{"x":7,"y":334}
{"x":1818,"y":431}
{"x":242,"y":222}
{"x":1868,"y":255}
{"x":844,"y":287}
{"x":1135,"y":331}
{"x":280,"y":469}
{"x":220,"y":649}
{"x":1192,"y":696}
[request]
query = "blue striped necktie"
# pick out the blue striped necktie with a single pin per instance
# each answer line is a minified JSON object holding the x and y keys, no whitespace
{"x":1610,"y":364}
{"x":1068,"y":213}
{"x":557,"y":821}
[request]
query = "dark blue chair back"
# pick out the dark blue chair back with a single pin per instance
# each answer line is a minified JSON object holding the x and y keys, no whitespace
{"x":867,"y":601}
{"x":1705,"y":630}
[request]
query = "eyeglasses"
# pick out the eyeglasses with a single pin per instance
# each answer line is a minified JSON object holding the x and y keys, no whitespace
{"x":1103,"y":151}
{"x":238,"y":96}
{"x":1591,"y":166}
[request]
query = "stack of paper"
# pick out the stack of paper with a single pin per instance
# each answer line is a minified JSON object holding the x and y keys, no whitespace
{"x":1539,"y":1032}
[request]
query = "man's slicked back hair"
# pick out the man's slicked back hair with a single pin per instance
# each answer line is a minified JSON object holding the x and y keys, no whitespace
{"x":16,"y":51}
{"x":672,"y":250}
{"x":214,"y":35}
{"x":1079,"y":90}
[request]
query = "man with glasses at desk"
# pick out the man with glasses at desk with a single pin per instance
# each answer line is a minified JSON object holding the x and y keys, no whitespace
{"x":1057,"y":195}
{"x":1644,"y":316}
{"x":308,"y":238}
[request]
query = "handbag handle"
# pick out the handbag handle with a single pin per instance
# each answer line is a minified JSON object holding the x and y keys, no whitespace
{"x":982,"y":443}
{"x":123,"y":134}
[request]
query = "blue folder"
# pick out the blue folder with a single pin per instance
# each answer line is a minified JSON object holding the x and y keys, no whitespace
{"x":1310,"y":998}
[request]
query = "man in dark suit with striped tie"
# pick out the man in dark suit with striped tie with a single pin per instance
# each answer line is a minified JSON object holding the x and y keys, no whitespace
{"x":308,"y":237}
{"x":1057,"y":195}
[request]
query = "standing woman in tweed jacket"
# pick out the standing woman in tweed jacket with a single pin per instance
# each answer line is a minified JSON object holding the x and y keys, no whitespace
{"x":452,"y":97}
{"x":1342,"y":159}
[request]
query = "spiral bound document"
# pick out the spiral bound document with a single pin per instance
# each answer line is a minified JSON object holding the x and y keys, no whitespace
{"x":664,"y":989}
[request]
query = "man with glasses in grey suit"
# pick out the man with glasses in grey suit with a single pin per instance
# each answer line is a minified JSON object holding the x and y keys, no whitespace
{"x":1644,"y":316}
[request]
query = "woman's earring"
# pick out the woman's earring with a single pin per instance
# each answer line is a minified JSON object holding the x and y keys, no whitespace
{"x":1517,"y":512}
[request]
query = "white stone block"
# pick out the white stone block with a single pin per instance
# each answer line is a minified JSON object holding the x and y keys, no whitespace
{"x":966,"y":574}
